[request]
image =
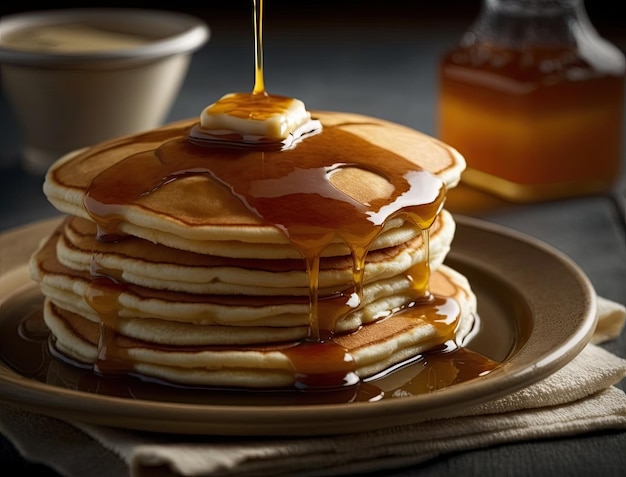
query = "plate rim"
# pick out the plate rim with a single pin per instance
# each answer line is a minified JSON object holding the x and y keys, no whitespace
{"x":314,"y":419}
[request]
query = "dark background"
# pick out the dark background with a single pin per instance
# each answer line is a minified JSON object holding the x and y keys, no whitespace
{"x":605,"y":14}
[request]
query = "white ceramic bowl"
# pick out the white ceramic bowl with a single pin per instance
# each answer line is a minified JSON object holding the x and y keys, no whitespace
{"x":70,"y":95}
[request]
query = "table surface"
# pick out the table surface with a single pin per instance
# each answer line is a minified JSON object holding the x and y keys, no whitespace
{"x":383,"y":68}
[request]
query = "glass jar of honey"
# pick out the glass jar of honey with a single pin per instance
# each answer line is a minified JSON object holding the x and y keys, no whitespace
{"x":533,"y":97}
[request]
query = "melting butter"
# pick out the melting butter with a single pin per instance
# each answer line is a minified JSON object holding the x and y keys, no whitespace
{"x":272,"y":117}
{"x":71,"y":38}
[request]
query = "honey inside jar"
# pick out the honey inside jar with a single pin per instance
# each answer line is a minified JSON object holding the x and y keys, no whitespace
{"x":534,"y":121}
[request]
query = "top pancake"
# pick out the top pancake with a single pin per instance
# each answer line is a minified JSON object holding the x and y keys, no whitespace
{"x":198,"y":213}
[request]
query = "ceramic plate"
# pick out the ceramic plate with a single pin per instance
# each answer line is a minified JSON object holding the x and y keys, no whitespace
{"x":537,"y":312}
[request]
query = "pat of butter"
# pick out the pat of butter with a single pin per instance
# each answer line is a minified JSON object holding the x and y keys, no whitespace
{"x":263,"y":115}
{"x":71,"y":38}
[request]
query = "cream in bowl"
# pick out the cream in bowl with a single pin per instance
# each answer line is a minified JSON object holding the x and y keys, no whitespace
{"x":75,"y":77}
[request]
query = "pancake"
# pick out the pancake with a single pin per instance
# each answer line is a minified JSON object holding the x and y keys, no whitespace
{"x":175,"y":213}
{"x":246,"y":265}
{"x":374,"y":347}
{"x":169,"y":315}
{"x":144,"y":263}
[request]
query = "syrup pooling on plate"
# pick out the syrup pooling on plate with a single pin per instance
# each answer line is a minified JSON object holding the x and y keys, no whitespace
{"x":24,"y":347}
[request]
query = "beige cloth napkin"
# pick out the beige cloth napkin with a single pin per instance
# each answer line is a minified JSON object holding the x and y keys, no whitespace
{"x":577,"y":399}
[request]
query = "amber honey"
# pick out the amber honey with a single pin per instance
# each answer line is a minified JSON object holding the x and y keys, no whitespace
{"x":533,"y":123}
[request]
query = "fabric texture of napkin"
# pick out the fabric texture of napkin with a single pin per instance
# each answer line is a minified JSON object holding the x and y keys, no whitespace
{"x":577,"y":399}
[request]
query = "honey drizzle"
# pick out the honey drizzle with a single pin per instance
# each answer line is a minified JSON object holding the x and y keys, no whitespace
{"x":259,"y":81}
{"x":102,"y":295}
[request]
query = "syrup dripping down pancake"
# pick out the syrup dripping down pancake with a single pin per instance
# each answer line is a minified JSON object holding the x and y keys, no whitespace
{"x":152,"y":265}
{"x":173,"y":316}
{"x":200,"y":214}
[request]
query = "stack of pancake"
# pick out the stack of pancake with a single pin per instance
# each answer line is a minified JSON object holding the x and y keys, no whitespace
{"x":170,"y":268}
